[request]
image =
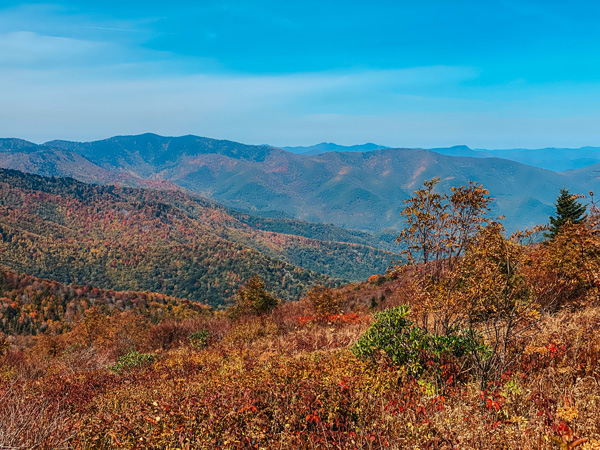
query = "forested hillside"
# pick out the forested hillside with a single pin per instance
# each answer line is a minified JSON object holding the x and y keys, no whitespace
{"x":135,"y":239}
{"x":29,"y":305}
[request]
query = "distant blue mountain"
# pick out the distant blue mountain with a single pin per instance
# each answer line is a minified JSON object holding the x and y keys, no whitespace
{"x":325,"y":147}
{"x":555,"y":159}
{"x":460,"y":150}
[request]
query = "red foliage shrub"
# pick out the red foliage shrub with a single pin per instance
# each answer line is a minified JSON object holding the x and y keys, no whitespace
{"x":168,"y":334}
{"x":30,"y":421}
{"x":175,"y":333}
{"x":373,"y":278}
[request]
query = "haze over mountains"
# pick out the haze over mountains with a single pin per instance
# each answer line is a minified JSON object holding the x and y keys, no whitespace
{"x":555,"y":159}
{"x":551,"y":158}
{"x":324,"y":147}
{"x":358,"y":190}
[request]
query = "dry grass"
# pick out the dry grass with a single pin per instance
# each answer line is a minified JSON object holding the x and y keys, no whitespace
{"x":29,"y":421}
{"x":286,"y":381}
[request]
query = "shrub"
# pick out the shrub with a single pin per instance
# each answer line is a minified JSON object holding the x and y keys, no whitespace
{"x":132,"y":360}
{"x":325,"y":301}
{"x":4,"y":344}
{"x":248,"y":332}
{"x":373,"y":302}
{"x":31,"y":421}
{"x":199,"y":339}
{"x":252,"y":299}
{"x":410,"y":346}
{"x":167,"y":334}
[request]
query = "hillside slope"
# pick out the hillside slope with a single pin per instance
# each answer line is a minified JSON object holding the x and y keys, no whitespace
{"x":32,"y":305}
{"x":136,"y":239}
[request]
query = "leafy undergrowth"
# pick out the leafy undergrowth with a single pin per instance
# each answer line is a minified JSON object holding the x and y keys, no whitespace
{"x":280,"y":381}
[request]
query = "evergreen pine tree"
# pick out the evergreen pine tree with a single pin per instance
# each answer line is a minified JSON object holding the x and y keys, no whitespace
{"x":568,"y":209}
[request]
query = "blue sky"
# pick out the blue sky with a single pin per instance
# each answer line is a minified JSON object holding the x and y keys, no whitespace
{"x":495,"y":74}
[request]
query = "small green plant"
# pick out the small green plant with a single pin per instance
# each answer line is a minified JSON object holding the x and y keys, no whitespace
{"x":132,"y":360}
{"x":199,"y":339}
{"x":428,"y":388}
{"x":407,"y":345}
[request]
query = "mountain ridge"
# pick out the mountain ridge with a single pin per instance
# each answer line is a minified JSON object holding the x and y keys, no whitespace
{"x":556,"y":159}
{"x":355,"y":190}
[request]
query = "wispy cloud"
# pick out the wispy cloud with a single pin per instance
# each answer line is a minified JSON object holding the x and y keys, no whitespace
{"x":87,"y":105}
{"x":126,"y":30}
{"x":26,"y":48}
{"x":277,"y":109}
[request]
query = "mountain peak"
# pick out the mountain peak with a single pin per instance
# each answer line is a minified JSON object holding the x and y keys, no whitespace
{"x":7,"y":144}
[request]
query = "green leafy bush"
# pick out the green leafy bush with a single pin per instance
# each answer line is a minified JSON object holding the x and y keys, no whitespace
{"x":199,"y":339}
{"x":410,"y":346}
{"x":131,"y":360}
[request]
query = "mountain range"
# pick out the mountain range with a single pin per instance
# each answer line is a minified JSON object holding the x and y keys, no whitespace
{"x":555,"y":159}
{"x":550,"y":158}
{"x":361,"y":190}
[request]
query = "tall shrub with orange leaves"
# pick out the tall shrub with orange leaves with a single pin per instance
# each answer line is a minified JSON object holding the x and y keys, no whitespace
{"x":325,"y":301}
{"x":496,"y":298}
{"x":574,"y":255}
{"x":438,"y":230}
{"x":469,"y":277}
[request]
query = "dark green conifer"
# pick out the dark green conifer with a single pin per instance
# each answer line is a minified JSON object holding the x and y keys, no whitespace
{"x":373,"y":302}
{"x":568,"y":210}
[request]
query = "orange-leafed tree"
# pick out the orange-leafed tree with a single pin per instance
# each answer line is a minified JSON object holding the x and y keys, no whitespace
{"x":465,"y":276}
{"x":324,"y":301}
{"x":253,"y":299}
{"x":438,"y":229}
